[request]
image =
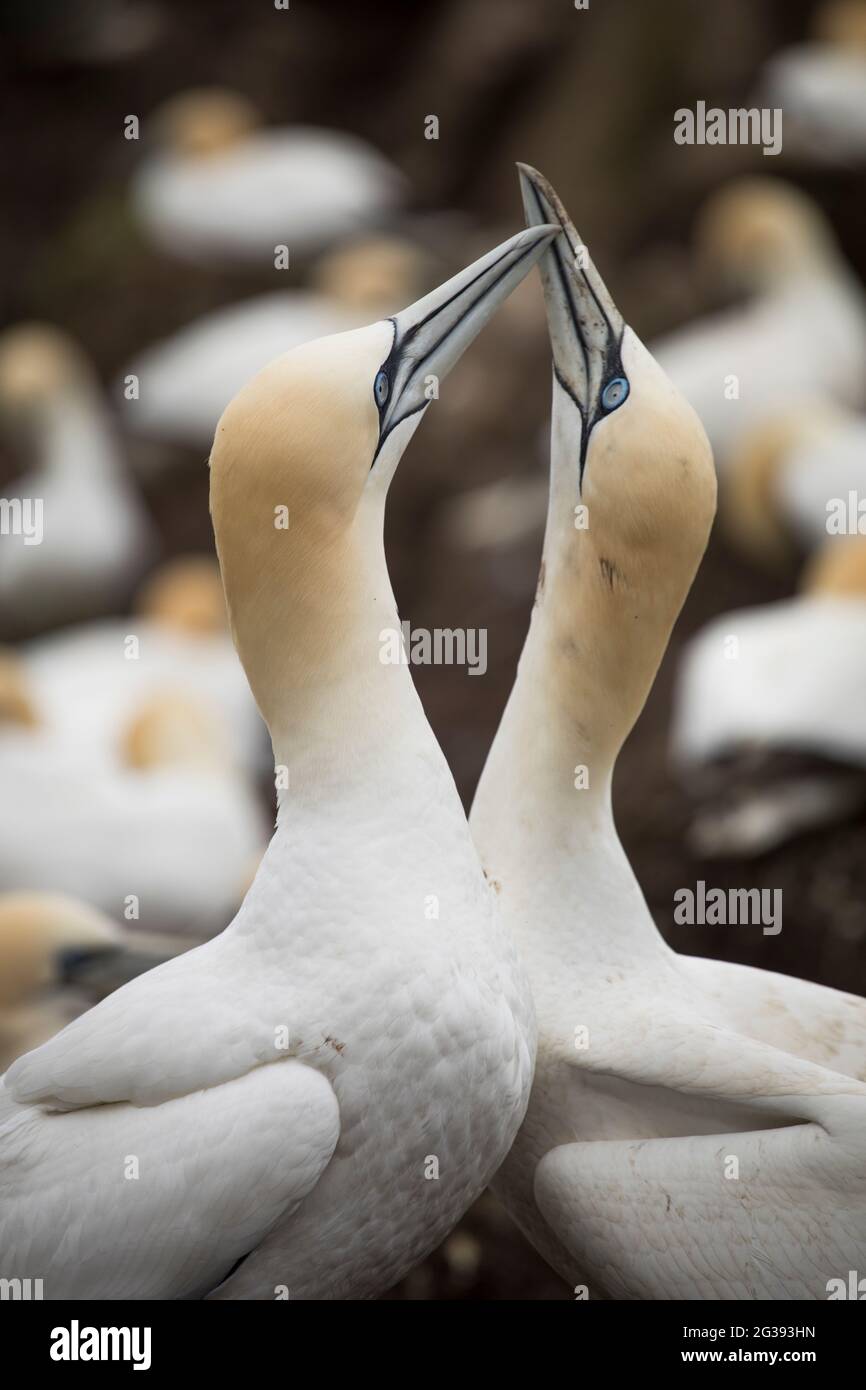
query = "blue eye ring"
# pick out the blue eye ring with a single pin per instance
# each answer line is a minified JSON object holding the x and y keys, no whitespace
{"x":381,"y":388}
{"x":614,"y":393}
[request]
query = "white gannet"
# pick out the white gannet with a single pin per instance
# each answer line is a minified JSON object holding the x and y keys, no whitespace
{"x":318,"y":1094}
{"x":820,"y":85}
{"x":221,"y":185}
{"x":186,"y":381}
{"x":803,"y":332}
{"x":83,"y":537}
{"x":87,"y":682}
{"x":769,"y":721}
{"x":791,"y":480}
{"x":158,"y":828}
{"x":57,"y":955}
{"x":695,"y":1129}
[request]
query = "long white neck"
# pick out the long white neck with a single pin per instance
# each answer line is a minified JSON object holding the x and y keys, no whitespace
{"x":542,"y":817}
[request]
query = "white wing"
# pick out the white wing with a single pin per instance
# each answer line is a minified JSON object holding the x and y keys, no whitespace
{"x":174,"y":1078}
{"x":160,"y":1202}
{"x":675,"y":1218}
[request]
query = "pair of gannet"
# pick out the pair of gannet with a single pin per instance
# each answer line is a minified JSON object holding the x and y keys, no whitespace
{"x":794,"y":480}
{"x":314,"y":1097}
{"x":75,"y":535}
{"x":821,"y":87}
{"x":186,"y":381}
{"x":802,"y":334}
{"x":219,"y":185}
{"x":696,"y":1129}
{"x":769,"y":718}
{"x":57,"y":955}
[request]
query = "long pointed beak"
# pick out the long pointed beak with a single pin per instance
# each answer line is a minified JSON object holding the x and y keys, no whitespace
{"x":585,"y":325}
{"x":432,"y":334}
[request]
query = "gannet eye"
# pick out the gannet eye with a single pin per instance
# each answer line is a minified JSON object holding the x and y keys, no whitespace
{"x":381,"y":388}
{"x":614,"y":393}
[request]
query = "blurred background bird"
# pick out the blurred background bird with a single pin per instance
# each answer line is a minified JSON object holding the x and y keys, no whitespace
{"x":144,"y":281}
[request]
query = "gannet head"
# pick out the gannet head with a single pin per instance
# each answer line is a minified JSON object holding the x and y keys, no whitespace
{"x":186,"y":595}
{"x":838,"y":569}
{"x":300,"y":468}
{"x":750,"y":510}
{"x":173,"y":730}
{"x":841,"y":23}
{"x":204,"y":122}
{"x":47,"y":939}
{"x":16,"y":701}
{"x":39,"y":364}
{"x":372,"y":274}
{"x":754,"y":233}
{"x":634,"y":451}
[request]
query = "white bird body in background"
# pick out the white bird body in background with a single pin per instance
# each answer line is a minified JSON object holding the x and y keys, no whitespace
{"x":780,"y":679}
{"x":316,"y":1095}
{"x":220,"y":187}
{"x":95,"y":538}
{"x":820,"y":85}
{"x":695,"y":1129}
{"x":186,"y":381}
{"x":802,"y":334}
{"x":160,"y":830}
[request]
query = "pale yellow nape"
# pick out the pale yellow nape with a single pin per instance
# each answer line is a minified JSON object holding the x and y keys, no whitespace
{"x":302,"y":559}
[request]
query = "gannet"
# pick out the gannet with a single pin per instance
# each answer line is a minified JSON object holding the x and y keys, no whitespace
{"x":803,"y":332}
{"x":158,"y":828}
{"x":315,"y":1096}
{"x":820,"y":85}
{"x":219,"y":185}
{"x":57,"y":955}
{"x":794,"y":480}
{"x":86,"y":683}
{"x":81,"y":537}
{"x":659,"y":1077}
{"x":185,"y":381}
{"x":769,"y":722}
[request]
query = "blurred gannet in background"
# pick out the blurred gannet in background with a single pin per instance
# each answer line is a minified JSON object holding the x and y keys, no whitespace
{"x":87,"y":682}
{"x":187,"y":380}
{"x":790,"y":482}
{"x":219,"y":185}
{"x":161,"y":816}
{"x":96,"y":537}
{"x":821,"y":87}
{"x":57,"y":955}
{"x":363,"y":1027}
{"x":653,"y":1069}
{"x":803,"y":332}
{"x":769,"y":718}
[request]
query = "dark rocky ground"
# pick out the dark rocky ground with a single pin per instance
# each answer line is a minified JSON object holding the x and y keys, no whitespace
{"x":590,"y":106}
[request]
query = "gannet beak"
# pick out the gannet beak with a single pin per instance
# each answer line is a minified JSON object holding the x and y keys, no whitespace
{"x":585,"y":325}
{"x":432,"y":334}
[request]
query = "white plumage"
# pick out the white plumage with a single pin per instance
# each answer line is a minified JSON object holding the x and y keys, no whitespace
{"x":696,"y":1130}
{"x":221,"y":187}
{"x":275,"y":1111}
